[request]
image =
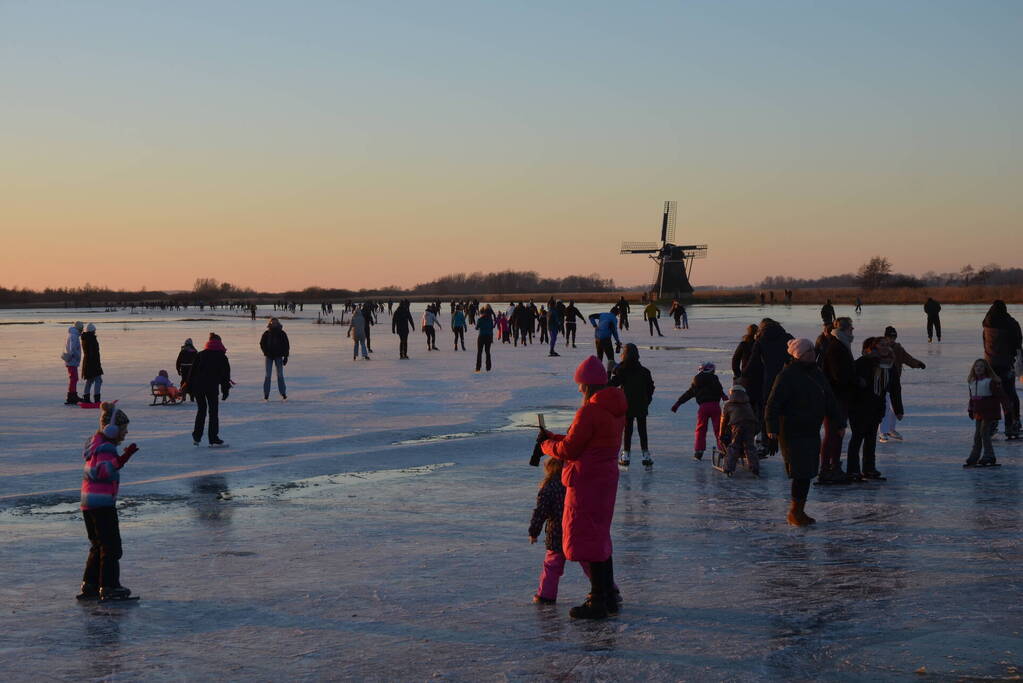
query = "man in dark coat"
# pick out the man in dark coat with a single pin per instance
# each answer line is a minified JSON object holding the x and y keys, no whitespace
{"x":838,"y":367}
{"x":276,"y":349}
{"x":800,"y":399}
{"x":828,"y":313}
{"x":401,"y":324}
{"x":767,"y":358}
{"x":932,"y":308}
{"x":210,"y":374}
{"x":369,"y":313}
{"x":1002,"y":344}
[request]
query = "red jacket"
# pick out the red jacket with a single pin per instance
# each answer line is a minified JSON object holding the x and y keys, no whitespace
{"x":590,"y":474}
{"x":987,"y":399}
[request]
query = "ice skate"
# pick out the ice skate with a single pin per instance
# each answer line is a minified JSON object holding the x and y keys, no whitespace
{"x":624,"y":459}
{"x":874,"y":475}
{"x":218,"y":443}
{"x":884,"y":438}
{"x":90,"y":591}
{"x":648,"y":461}
{"x":116,"y":593}
{"x":697,"y":455}
{"x":895,"y":435}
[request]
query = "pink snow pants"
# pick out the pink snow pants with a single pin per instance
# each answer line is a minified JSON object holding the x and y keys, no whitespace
{"x":72,"y":378}
{"x":553,"y":568}
{"x":710,"y":411}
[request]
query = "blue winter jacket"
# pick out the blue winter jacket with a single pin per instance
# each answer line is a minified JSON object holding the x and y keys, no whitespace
{"x":605,"y":326}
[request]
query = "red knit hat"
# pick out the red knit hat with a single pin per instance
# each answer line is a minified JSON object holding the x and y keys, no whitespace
{"x":590,"y":371}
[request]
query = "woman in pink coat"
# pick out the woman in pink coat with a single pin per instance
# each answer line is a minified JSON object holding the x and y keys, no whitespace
{"x":590,"y":475}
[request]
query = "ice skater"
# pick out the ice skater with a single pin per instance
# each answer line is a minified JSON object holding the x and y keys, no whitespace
{"x":987,"y":398}
{"x":738,"y":431}
{"x":210,"y":374}
{"x":651,"y":314}
{"x":876,"y":383}
{"x":571,"y":315}
{"x":401,"y":324}
{"x":902,"y":358}
{"x":605,"y":328}
{"x":638,"y":385}
{"x":800,"y":398}
{"x":459,"y":326}
{"x":484,"y":336}
{"x":589,"y":453}
{"x":92,"y":369}
{"x":72,"y":358}
{"x":276,"y":349}
{"x":707,"y":390}
{"x":933,"y":310}
{"x":100,"y":481}
{"x":184,"y":363}
{"x":555,"y":321}
{"x":430,"y":325}
{"x":357,"y":333}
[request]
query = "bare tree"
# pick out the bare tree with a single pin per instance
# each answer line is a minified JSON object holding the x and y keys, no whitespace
{"x":874,"y":273}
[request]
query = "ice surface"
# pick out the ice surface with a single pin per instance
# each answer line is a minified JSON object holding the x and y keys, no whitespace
{"x":374,"y":525}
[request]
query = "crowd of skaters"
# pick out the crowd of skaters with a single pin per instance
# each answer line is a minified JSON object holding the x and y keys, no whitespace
{"x":784,"y":392}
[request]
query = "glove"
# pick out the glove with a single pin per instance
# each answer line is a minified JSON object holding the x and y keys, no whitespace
{"x":923,"y":366}
{"x":131,"y":449}
{"x":674,"y":407}
{"x":285,"y":361}
{"x":542,"y":436}
{"x":223,"y":395}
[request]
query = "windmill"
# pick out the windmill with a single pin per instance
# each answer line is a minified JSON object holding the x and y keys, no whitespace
{"x":674,"y":262}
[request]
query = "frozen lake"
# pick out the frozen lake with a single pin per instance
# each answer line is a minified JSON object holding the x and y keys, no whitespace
{"x":374,"y":526}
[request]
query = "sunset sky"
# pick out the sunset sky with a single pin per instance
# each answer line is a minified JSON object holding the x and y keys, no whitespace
{"x":280,"y":145}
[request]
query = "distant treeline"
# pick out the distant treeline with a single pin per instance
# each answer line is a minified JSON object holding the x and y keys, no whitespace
{"x":210,"y":290}
{"x":877,"y":274}
{"x":513,"y":282}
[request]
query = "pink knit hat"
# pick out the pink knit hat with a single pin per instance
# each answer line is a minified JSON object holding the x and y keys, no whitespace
{"x":590,"y":371}
{"x":800,"y":349}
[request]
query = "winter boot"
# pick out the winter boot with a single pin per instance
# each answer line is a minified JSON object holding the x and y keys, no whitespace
{"x":90,"y":591}
{"x":97,"y":399}
{"x":595,"y":606}
{"x":697,"y":455}
{"x":72,"y":398}
{"x":115,"y":593}
{"x":538,"y":600}
{"x":796,"y":516}
{"x":624,"y":459}
{"x":647,"y":460}
{"x":86,"y":398}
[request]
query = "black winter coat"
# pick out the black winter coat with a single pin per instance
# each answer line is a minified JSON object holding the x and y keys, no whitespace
{"x":210,"y":372}
{"x":839,"y":368}
{"x":706,"y":388}
{"x":827,"y":313}
{"x":91,"y":368}
{"x":769,"y":355}
{"x":741,"y":357}
{"x":402,"y":322}
{"x":872,"y":385}
{"x":185,"y":361}
{"x":796,"y":407}
{"x":932,"y":308}
{"x":1001,"y":340}
{"x":274,"y":343}
{"x":638,"y":385}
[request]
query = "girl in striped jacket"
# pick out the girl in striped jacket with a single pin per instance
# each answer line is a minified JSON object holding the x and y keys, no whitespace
{"x":100,"y":481}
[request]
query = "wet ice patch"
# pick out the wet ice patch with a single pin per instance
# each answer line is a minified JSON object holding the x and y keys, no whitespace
{"x":555,"y":418}
{"x":323,"y":485}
